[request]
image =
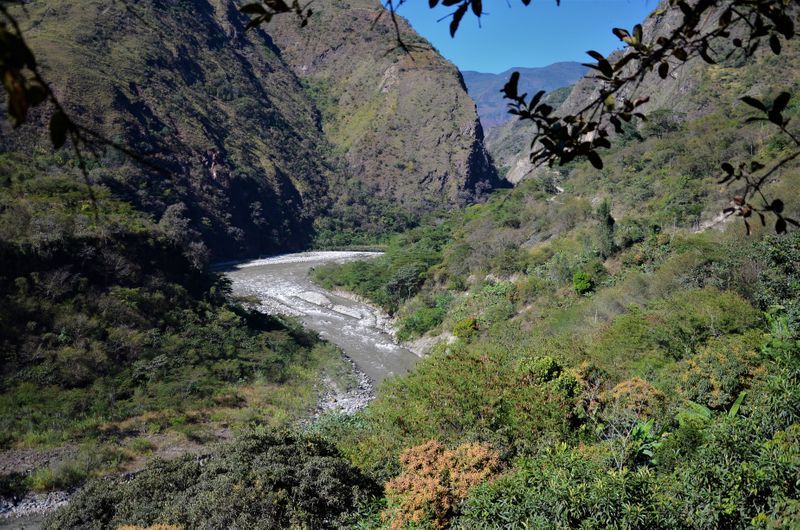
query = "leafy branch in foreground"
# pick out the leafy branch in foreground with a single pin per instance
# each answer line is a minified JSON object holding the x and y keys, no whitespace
{"x":263,"y":12}
{"x":708,"y":27}
{"x":754,"y":179}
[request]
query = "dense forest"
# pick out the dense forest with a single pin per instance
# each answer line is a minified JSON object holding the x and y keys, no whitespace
{"x":610,"y":349}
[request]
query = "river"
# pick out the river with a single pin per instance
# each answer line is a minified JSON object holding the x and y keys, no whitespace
{"x":282,"y":284}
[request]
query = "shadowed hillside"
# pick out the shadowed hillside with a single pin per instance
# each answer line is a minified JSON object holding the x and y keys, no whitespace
{"x":257,"y":132}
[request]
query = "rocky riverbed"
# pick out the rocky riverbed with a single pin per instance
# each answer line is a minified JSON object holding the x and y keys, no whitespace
{"x":364,"y":333}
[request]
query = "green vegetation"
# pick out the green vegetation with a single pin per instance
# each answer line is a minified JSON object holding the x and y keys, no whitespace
{"x":606,"y":358}
{"x":263,"y":480}
{"x":582,"y":282}
{"x":392,"y":279}
{"x":663,"y":402}
{"x":113,"y":332}
{"x":632,"y":368}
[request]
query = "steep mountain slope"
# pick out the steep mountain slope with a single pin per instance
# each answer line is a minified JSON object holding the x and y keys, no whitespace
{"x":403,"y":122}
{"x":679,"y":90}
{"x":252,"y":154}
{"x":485,"y":88}
{"x":213,"y":105}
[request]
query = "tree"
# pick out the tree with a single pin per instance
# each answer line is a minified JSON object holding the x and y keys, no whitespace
{"x":267,"y":480}
{"x":606,"y":230}
{"x":662,"y":121}
{"x":434,"y":482}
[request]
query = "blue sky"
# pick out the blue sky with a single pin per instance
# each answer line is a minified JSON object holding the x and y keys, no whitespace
{"x":519,"y":36}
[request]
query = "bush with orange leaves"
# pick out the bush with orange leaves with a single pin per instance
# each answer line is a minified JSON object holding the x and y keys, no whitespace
{"x":638,"y":397}
{"x":435,"y":481}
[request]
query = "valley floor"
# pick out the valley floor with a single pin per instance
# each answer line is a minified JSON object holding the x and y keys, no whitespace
{"x":276,"y":285}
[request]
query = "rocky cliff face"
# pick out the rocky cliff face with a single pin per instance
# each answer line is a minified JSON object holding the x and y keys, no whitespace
{"x":403,"y":123}
{"x":673,"y":92}
{"x":256,"y":129}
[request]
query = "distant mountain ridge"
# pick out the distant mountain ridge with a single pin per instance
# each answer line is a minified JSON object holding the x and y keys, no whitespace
{"x":485,"y":87}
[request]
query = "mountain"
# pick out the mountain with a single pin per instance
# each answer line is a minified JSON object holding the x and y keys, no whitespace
{"x":485,"y":88}
{"x":242,"y":155}
{"x":694,"y":96}
{"x":607,"y":350}
{"x":403,"y":123}
{"x":259,"y":132}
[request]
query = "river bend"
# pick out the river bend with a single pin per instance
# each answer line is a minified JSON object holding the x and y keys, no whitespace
{"x":282,"y":285}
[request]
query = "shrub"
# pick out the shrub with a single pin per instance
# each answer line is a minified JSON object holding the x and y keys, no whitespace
{"x":720,"y":370}
{"x":60,"y":477}
{"x":636,"y":396}
{"x":420,"y":321}
{"x":262,"y":480}
{"x":434,"y":482}
{"x":582,"y":282}
{"x":498,"y":311}
{"x":539,"y":370}
{"x":465,"y":328}
{"x":562,"y":488}
{"x":424,"y":319}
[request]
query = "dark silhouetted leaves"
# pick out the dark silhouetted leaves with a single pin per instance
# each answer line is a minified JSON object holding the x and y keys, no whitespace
{"x":595,"y":159}
{"x":511,"y":88}
{"x":477,"y":7}
{"x":263,"y":12}
{"x":253,"y":9}
{"x":775,"y":44}
{"x":17,"y":100}
{"x":59,"y":125}
{"x":753,"y":102}
{"x":457,"y":16}
{"x":781,"y":101}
